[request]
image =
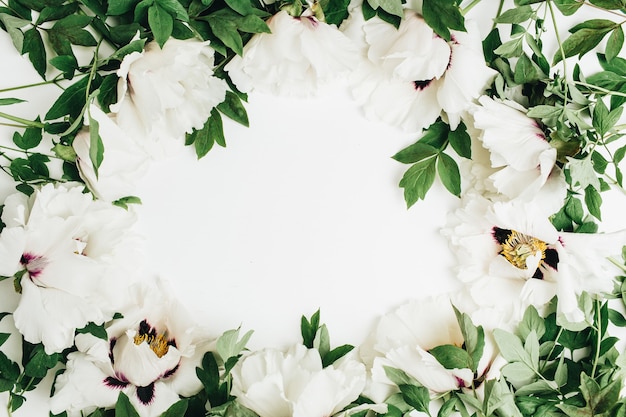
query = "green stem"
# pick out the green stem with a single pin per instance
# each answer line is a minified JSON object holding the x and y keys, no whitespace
{"x":617,"y":264}
{"x":21,"y":87}
{"x":598,"y":341}
{"x":561,"y":51}
{"x":599,"y":89}
{"x":469,"y":7}
{"x":25,"y":122}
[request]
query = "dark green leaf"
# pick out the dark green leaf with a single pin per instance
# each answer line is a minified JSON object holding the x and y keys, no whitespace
{"x":232,"y":108}
{"x":94,"y":329}
{"x":335,"y":354}
{"x":70,"y":102}
{"x":617,"y":318}
{"x":336,"y":11}
{"x":31,"y":138}
{"x":525,"y":70}
{"x":442,"y":15}
{"x":309,"y":328}
{"x":415,"y":153}
{"x":161,"y":23}
{"x":609,"y":4}
{"x":242,"y":7}
{"x":119,"y":7}
{"x":96,"y":147}
{"x":449,"y":174}
{"x":67,"y":64}
{"x":34,"y":47}
{"x":56,"y":12}
{"x":38,"y":362}
{"x":123,"y":407}
{"x":461,"y":141}
{"x":226,"y":31}
{"x":174,"y":8}
{"x":568,"y":7}
{"x":581,"y":42}
{"x":4,"y":337}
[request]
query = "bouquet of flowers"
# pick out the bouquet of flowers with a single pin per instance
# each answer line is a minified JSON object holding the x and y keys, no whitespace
{"x":510,"y":120}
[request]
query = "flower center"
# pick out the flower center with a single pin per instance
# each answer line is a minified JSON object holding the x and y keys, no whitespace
{"x":158,"y":342}
{"x":518,"y":247}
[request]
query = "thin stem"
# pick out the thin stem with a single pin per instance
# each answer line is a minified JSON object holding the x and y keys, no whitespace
{"x":618,"y":264}
{"x":586,"y":3}
{"x":561,"y":51}
{"x":598,"y":341}
{"x":469,"y":7}
{"x":599,"y":89}
{"x":20,"y":87}
{"x":25,"y":122}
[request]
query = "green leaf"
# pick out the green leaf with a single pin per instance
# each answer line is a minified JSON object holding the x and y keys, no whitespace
{"x":417,"y":180}
{"x":416,"y":397}
{"x":593,"y":200}
{"x":525,"y":70}
{"x":161,"y":23}
{"x":4,"y":337}
{"x":393,"y":7}
{"x":123,"y":407}
{"x":614,"y":43}
{"x":322,"y":341}
{"x":70,"y":102}
{"x":309,"y":328}
{"x":125,"y":201}
{"x":37,"y":362}
{"x":449,"y":174}
{"x":48,"y":13}
{"x":582,"y":173}
{"x":9,"y":101}
{"x":69,"y":31}
{"x":67,"y":64}
{"x":229,"y":344}
{"x":415,"y":153}
{"x":226,"y":31}
{"x":600,"y":114}
{"x":474,"y":337}
{"x":31,"y":138}
{"x":461,"y":141}
{"x":510,"y":49}
{"x":617,"y":318}
{"x":174,"y":8}
{"x":120,"y":7}
{"x":336,"y":354}
{"x":531,"y":322}
{"x":13,"y":27}
{"x":442,"y":15}
{"x":178,"y":409}
{"x":581,"y":42}
{"x":34,"y":47}
{"x":399,"y":377}
{"x":516,"y":15}
{"x":336,"y":11}
{"x":511,"y":347}
{"x":232,"y":108}
{"x":96,"y":147}
{"x":599,"y":162}
{"x":568,"y":7}
{"x":94,"y":329}
{"x":242,"y":7}
{"x":64,"y":152}
{"x":452,"y":357}
{"x":609,"y":4}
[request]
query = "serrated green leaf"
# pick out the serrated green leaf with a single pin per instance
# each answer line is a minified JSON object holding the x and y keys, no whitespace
{"x":449,"y":173}
{"x":161,"y":23}
{"x":593,"y":200}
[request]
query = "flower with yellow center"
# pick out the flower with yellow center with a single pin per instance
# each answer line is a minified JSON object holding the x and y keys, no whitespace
{"x":526,"y":252}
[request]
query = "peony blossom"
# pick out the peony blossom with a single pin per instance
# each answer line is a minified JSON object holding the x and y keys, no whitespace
{"x":294,"y":384}
{"x":510,"y":251}
{"x":73,"y":253}
{"x":295,"y":59}
{"x":165,"y":93}
{"x":412,"y":75}
{"x":519,"y":150}
{"x":402,"y":339}
{"x":124,"y":161}
{"x":150,"y":354}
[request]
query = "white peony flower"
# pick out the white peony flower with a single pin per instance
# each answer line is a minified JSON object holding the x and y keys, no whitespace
{"x":296,"y":58}
{"x":519,"y":150}
{"x":509,"y":251}
{"x":402,"y":339}
{"x":73,"y":252}
{"x":294,"y":384}
{"x":151,"y":355}
{"x":413,"y":74}
{"x":124,"y":163}
{"x":165,"y":93}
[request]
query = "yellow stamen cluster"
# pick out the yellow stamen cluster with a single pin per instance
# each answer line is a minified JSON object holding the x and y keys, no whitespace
{"x":518,"y":247}
{"x":158,"y":343}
